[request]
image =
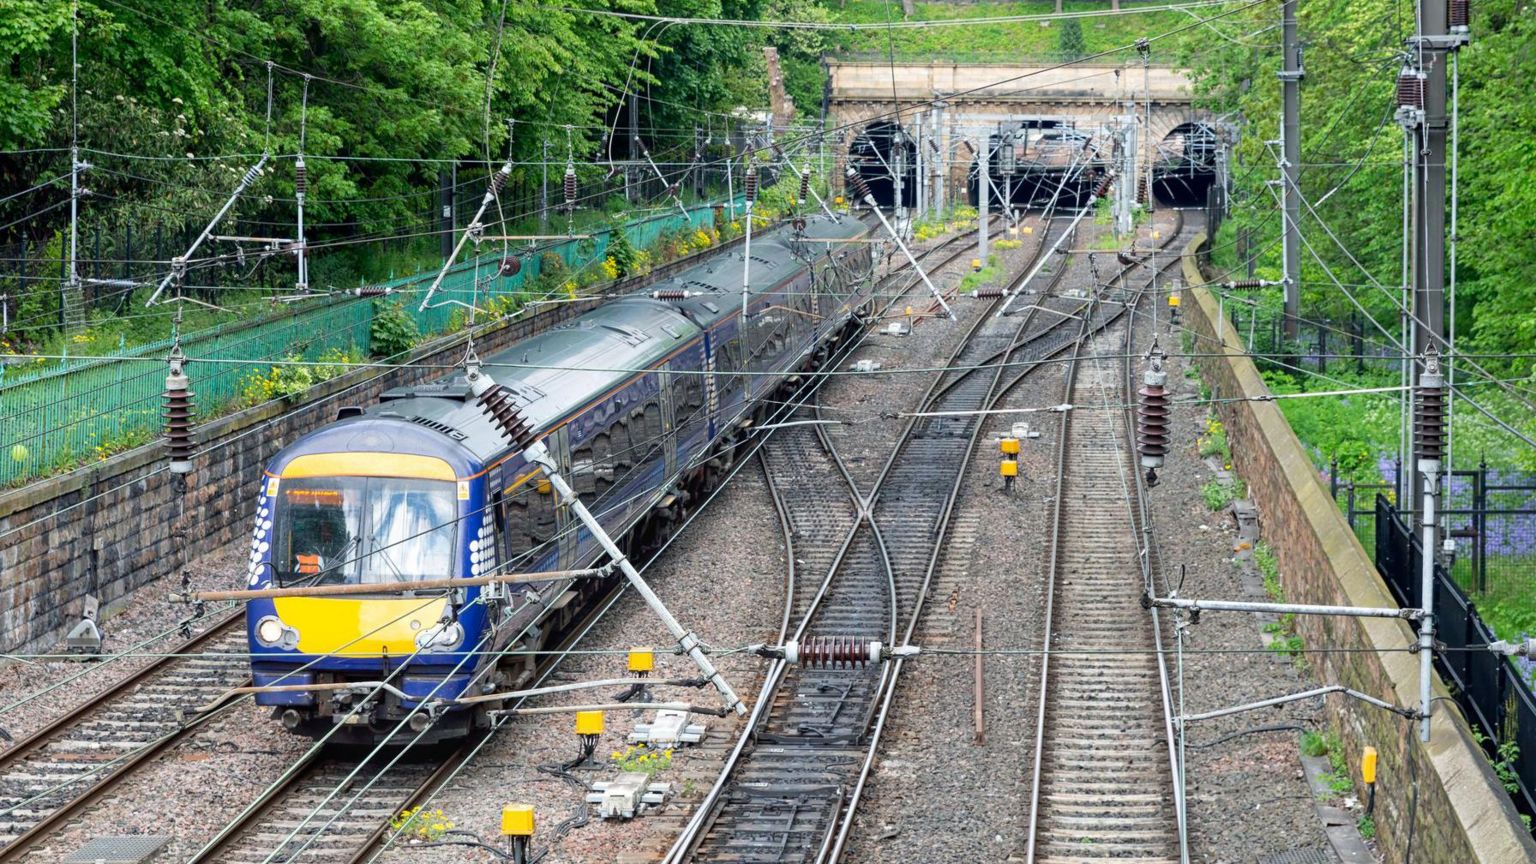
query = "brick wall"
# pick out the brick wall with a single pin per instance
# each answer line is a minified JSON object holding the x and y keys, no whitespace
{"x":1462,"y":814}
{"x":117,"y":525}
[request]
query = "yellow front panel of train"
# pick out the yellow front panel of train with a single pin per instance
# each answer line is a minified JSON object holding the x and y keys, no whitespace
{"x":366,"y":628}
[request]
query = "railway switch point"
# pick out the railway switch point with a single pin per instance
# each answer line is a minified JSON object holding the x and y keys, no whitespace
{"x":627,"y":796}
{"x":670,"y":729}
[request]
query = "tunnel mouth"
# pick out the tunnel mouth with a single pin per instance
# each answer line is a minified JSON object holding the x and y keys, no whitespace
{"x":1185,"y":167}
{"x":1050,"y":162}
{"x":874,"y":155}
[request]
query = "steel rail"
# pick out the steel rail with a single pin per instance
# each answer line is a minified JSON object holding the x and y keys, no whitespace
{"x":58,"y":729}
{"x":1054,"y":566}
{"x":876,"y":709}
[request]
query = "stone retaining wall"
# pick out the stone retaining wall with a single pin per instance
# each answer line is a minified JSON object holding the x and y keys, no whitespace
{"x":1462,"y":814}
{"x":114,"y":526}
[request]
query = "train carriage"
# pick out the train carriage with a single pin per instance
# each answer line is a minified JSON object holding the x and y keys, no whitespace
{"x":643,"y":402}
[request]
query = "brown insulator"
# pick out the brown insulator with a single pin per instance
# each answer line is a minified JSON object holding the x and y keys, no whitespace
{"x":805,"y":186}
{"x":1458,"y":15}
{"x":1141,"y":188}
{"x":1246,"y":283}
{"x":510,"y":265}
{"x":372,"y":290}
{"x":989,"y":291}
{"x":1411,"y":85}
{"x":670,"y":294}
{"x":178,"y":416}
{"x":300,"y":178}
{"x":499,"y":180}
{"x":1429,"y":413}
{"x":570,"y":188}
{"x":857,"y":181}
{"x":831,"y":652}
{"x":1125,"y":259}
{"x":1102,"y":188}
{"x":1152,"y":417}
{"x":499,"y":404}
{"x":751,"y":184}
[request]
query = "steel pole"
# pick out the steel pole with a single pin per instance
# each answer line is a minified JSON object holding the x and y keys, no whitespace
{"x":1290,"y":148}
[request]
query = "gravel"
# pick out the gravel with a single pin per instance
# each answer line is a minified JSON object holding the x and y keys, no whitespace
{"x":34,"y":693}
{"x":1247,"y":796}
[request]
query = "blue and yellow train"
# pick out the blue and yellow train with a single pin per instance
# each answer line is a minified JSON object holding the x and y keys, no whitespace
{"x":643,"y":401}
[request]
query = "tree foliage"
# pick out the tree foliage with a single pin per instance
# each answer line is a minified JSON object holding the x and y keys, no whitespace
{"x":1351,"y":173}
{"x":397,"y":89}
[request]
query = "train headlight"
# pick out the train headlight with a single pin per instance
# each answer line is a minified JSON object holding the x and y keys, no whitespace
{"x":447,"y":636}
{"x":273,"y":633}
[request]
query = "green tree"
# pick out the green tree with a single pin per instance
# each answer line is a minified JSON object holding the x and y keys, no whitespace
{"x":1070,"y":44}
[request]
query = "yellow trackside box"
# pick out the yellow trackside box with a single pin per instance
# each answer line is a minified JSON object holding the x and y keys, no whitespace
{"x":1008,"y":468}
{"x":517,"y":820}
{"x":976,"y":264}
{"x":1029,"y":229}
{"x":641,"y":660}
{"x":589,"y":722}
{"x":1173,"y":299}
{"x":1368,"y":765}
{"x":1009,"y":446}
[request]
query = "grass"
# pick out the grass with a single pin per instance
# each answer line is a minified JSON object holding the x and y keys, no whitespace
{"x":1269,"y":568}
{"x":986,"y":275}
{"x":1327,"y":744}
{"x":1010,"y":42}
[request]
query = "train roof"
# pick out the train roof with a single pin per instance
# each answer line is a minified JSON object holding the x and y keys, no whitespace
{"x":561,"y":368}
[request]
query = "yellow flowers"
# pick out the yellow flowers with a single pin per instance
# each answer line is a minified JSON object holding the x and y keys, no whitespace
{"x":642,"y":759}
{"x":610,"y":268}
{"x":420,"y":825}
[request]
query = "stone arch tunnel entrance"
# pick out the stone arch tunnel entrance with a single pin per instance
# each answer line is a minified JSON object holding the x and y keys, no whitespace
{"x":880,"y":151}
{"x":1185,"y":166}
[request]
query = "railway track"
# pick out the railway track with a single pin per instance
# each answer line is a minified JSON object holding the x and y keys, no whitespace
{"x":1102,"y":786}
{"x":58,"y":773}
{"x":52,"y":775}
{"x":336,"y":807}
{"x":862,"y":562}
{"x":791,"y":786}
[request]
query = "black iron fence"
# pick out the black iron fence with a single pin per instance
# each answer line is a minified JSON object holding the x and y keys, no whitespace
{"x":1491,"y":516}
{"x":1494,"y":692}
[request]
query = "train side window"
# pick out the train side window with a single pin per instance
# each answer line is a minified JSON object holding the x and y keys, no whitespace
{"x":527,"y":518}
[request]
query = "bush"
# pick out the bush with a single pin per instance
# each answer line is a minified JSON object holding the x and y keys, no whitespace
{"x":621,"y":252}
{"x":1219,"y":495}
{"x":393,"y":330}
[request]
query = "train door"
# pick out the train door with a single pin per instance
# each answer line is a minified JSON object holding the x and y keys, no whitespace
{"x":668,"y":423}
{"x":566,"y":523}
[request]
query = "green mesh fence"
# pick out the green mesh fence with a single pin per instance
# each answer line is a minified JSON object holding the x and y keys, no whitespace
{"x":56,"y":415}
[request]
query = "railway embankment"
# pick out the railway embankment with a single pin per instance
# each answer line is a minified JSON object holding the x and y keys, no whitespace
{"x":1440,"y":796}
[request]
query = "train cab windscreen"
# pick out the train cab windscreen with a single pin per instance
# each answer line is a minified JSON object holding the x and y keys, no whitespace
{"x":363,"y":531}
